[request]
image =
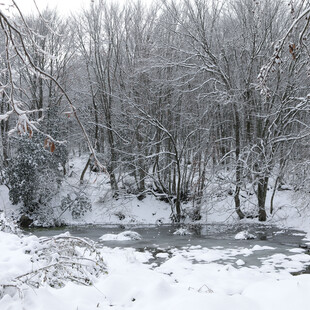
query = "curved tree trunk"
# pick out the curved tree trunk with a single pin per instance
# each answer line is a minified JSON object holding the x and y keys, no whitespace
{"x":84,"y":170}
{"x":273,"y":194}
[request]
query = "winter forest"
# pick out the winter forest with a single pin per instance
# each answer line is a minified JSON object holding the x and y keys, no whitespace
{"x":199,"y":108}
{"x":167,"y":99}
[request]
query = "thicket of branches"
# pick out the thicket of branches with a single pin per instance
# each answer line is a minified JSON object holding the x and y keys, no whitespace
{"x":55,"y":262}
{"x":173,"y":95}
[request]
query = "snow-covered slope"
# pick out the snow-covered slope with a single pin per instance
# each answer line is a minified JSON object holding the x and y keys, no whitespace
{"x":290,"y":209}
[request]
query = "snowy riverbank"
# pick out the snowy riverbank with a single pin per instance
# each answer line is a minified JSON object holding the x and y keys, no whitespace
{"x":191,"y":277}
{"x":291,"y":209}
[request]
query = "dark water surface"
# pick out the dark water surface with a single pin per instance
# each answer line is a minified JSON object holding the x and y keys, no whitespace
{"x":208,"y":238}
{"x":212,"y":235}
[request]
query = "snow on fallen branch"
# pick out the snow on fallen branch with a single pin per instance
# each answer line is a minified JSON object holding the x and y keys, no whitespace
{"x":56,"y":261}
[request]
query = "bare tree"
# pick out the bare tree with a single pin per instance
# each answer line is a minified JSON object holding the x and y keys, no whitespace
{"x":16,"y":31}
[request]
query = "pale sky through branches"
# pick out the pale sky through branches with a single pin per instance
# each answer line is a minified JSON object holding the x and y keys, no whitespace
{"x":64,"y":6}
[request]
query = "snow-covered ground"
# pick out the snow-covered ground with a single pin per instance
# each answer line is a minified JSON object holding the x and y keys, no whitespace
{"x":188,"y":278}
{"x":192,"y":277}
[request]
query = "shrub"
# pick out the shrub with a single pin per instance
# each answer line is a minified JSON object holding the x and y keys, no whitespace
{"x":34,"y":173}
{"x":78,"y":206}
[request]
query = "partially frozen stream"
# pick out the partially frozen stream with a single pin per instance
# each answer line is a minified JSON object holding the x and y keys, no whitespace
{"x":281,"y":249}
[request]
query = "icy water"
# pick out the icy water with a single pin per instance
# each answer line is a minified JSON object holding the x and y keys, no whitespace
{"x":212,"y":238}
{"x":213,"y":235}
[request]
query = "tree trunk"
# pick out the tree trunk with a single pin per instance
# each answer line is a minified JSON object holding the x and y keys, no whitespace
{"x":178,"y":187}
{"x":84,"y":170}
{"x":273,"y":194}
{"x":261,"y":198}
{"x":111,"y":165}
{"x":238,"y":164}
{"x":237,"y":203}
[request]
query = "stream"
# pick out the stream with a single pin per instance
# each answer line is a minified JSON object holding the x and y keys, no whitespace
{"x":215,"y":239}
